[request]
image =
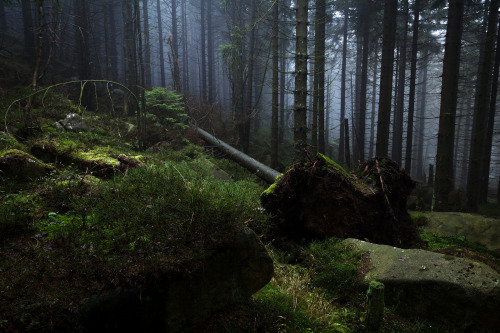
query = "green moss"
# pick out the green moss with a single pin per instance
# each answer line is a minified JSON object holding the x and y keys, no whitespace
{"x":270,"y":190}
{"x":331,"y":165}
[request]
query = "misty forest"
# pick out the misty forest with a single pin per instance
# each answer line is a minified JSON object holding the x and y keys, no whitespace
{"x":249,"y":165}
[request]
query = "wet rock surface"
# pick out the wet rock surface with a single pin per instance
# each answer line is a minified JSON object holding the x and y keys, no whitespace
{"x":446,"y":290}
{"x":319,"y":199}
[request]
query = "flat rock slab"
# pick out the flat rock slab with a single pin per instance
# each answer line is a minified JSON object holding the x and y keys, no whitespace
{"x":476,"y":228}
{"x":450,"y":291}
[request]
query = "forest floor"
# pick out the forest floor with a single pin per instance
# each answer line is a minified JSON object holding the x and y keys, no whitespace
{"x":79,"y":230}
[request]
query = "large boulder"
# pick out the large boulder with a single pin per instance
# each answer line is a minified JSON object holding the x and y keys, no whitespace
{"x":451,"y":291}
{"x":178,"y":304}
{"x":20,"y":166}
{"x":320,"y":199}
{"x":72,"y":123}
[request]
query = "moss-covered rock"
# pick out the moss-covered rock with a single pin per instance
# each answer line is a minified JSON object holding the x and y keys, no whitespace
{"x":99,"y":161}
{"x":320,"y":199}
{"x":21,"y":166}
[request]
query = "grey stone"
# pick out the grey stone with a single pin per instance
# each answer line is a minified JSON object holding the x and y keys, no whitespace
{"x":21,"y":166}
{"x":72,"y":123}
{"x":178,"y":304}
{"x":446,"y":290}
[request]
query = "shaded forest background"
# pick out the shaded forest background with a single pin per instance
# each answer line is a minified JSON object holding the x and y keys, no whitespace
{"x":279,"y":79}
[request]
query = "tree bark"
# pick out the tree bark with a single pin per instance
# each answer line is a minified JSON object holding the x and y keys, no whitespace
{"x":361,"y":119}
{"x":374,"y":97}
{"x":28,"y":29}
{"x":411,"y":97}
{"x":82,"y":39}
{"x":203,"y":83}
{"x":275,"y":91}
{"x":343,"y":87}
{"x":130,"y":60}
{"x":147,"y":45}
{"x":421,"y":122}
{"x":210,"y":51}
{"x":446,"y":135}
{"x":320,"y":64}
{"x":160,"y":40}
{"x":397,"y":133}
{"x":3,"y":21}
{"x":386,"y":71}
{"x":300,"y":93}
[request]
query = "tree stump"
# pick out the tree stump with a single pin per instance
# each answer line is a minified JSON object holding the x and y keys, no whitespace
{"x":376,"y":304}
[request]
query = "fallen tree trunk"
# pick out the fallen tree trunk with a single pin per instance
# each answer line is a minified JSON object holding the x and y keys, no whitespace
{"x":260,"y":170}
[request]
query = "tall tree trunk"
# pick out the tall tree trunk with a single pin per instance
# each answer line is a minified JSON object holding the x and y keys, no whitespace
{"x":203,"y":84}
{"x":141,"y":111}
{"x":161,"y":47}
{"x":386,"y":71}
{"x":421,"y":121}
{"x":343,"y":86}
{"x":451,"y":65}
{"x":486,"y":160}
{"x":185,"y":69}
{"x":3,"y":21}
{"x":211,"y":56}
{"x":113,"y":52}
{"x":283,"y":65}
{"x":275,"y":92}
{"x":147,"y":45}
{"x":82,"y":39}
{"x":320,"y":64}
{"x":28,"y":29}
{"x":413,"y":75}
{"x":130,"y":60}
{"x":397,"y":133}
{"x":175,"y":49}
{"x":374,"y":98}
{"x":300,"y":94}
{"x":481,"y":111}
{"x":361,"y":119}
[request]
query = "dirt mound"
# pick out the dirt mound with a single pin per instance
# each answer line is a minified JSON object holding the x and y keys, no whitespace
{"x":320,"y":199}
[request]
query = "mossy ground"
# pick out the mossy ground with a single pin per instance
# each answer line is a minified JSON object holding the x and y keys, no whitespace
{"x":70,"y":235}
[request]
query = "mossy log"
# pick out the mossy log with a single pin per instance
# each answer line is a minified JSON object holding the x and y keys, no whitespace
{"x":319,"y":199}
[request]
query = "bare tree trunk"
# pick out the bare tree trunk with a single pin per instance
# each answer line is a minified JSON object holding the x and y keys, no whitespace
{"x":141,"y":112}
{"x":374,"y":98}
{"x":397,"y":133}
{"x":486,"y":160}
{"x":185,"y":69}
{"x":130,"y":60}
{"x":421,"y":122}
{"x":446,"y":135}
{"x":147,"y":46}
{"x":210,"y":51}
{"x":29,"y":40}
{"x":300,"y":94}
{"x":386,"y":71}
{"x":361,"y":120}
{"x":161,"y":51}
{"x":343,"y":86}
{"x":203,"y":83}
{"x":82,"y":38}
{"x":3,"y":21}
{"x":275,"y":92}
{"x":411,"y":97}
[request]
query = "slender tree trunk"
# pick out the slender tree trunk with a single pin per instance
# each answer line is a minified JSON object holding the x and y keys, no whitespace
{"x":374,"y":98}
{"x":275,"y":92}
{"x":210,"y":51}
{"x":161,"y":48}
{"x":130,"y":60}
{"x":343,"y":87}
{"x":147,"y":46}
{"x":451,"y":65}
{"x":386,"y":71}
{"x":82,"y":38}
{"x":203,"y":84}
{"x":486,"y":160}
{"x":282,"y":92}
{"x":3,"y":21}
{"x":481,"y":111}
{"x":411,"y":97}
{"x":113,"y":52}
{"x":320,"y":63}
{"x":397,"y":133}
{"x":361,"y":119}
{"x":421,"y":122}
{"x":29,"y":40}
{"x":141,"y":114}
{"x":185,"y":60}
{"x":300,"y":94}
